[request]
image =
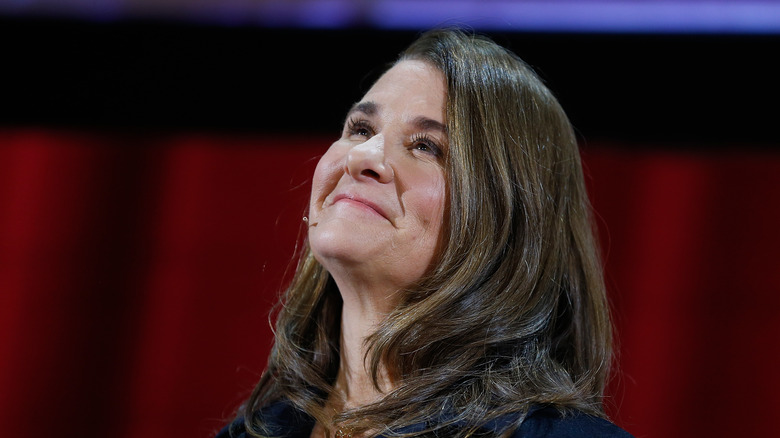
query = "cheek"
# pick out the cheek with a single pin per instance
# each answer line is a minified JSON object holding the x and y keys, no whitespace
{"x":437,"y":203}
{"x":436,"y":227}
{"x":326,"y":176}
{"x":431,"y":204}
{"x":426,"y":237}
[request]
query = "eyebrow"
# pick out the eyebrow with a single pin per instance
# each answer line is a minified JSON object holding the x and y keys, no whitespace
{"x":425,"y":124}
{"x":368,"y":108}
{"x":422,"y":123}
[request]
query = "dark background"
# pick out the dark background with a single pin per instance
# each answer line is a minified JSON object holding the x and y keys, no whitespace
{"x":684,"y":88}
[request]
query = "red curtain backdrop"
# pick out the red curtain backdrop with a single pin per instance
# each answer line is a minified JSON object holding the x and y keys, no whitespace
{"x":137,"y":272}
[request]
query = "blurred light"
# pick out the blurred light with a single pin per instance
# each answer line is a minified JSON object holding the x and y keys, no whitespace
{"x":585,"y":16}
{"x":619,"y":16}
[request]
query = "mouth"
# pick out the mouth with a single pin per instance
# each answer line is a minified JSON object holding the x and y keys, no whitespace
{"x":360,"y":202}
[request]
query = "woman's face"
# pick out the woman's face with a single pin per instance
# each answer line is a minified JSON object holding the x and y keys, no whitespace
{"x":377,"y":199}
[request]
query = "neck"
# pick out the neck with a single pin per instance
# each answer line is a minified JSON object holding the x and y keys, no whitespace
{"x":360,"y":316}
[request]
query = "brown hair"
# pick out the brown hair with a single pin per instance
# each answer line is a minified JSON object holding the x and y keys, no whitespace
{"x":513,"y":313}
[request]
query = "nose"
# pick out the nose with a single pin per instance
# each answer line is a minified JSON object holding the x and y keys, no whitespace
{"x":367,"y":161}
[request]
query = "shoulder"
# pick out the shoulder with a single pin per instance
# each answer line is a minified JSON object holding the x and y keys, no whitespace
{"x":549,"y":422}
{"x":283,"y":420}
{"x":279,"y":419}
{"x":233,"y":430}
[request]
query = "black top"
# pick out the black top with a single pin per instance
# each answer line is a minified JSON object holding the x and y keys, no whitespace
{"x":283,"y":420}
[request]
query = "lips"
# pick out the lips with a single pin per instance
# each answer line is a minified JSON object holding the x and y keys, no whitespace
{"x":346,"y":197}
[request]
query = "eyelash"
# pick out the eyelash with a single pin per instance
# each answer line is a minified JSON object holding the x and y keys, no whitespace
{"x":358,"y":126}
{"x":425,"y":140}
{"x":355,"y":125}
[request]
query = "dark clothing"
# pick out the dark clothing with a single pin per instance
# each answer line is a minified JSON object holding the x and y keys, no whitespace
{"x":284,"y":420}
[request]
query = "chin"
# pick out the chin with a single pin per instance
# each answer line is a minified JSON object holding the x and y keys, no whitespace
{"x":342,"y":242}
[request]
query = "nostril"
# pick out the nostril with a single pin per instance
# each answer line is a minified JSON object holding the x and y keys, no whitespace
{"x":370,"y":173}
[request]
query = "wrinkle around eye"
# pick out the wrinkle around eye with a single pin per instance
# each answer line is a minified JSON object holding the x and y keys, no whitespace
{"x":427,"y":145}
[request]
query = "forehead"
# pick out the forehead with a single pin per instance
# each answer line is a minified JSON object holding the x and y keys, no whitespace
{"x":410,"y":88}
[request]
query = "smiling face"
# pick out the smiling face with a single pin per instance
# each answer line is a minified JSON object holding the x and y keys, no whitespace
{"x":378,"y":193}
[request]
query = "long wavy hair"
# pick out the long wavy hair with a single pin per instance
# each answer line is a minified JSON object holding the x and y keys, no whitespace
{"x":513,"y":312}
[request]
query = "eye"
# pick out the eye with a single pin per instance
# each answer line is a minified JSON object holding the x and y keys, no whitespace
{"x":359,"y":127}
{"x":425,"y":144}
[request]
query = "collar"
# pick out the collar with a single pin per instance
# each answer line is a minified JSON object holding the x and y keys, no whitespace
{"x":282,"y":419}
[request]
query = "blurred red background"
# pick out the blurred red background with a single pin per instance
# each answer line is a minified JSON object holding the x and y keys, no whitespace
{"x":137,"y":273}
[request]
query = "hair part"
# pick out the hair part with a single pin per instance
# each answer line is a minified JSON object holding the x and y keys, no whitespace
{"x":514,"y":312}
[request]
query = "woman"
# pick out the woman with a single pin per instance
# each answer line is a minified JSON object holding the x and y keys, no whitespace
{"x":451,"y":283}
